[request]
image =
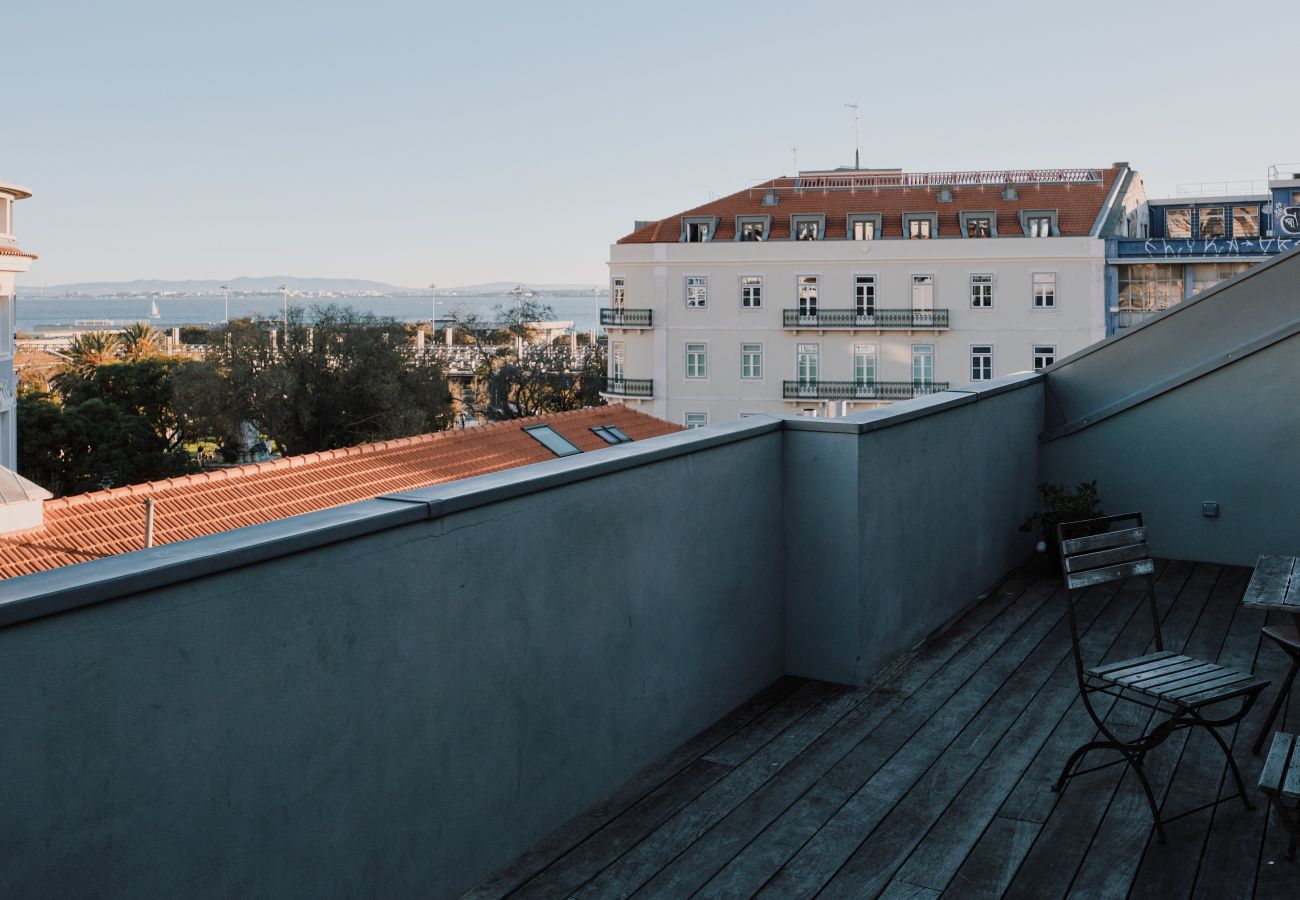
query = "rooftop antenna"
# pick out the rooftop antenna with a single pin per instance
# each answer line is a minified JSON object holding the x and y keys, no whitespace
{"x":857,"y":136}
{"x":794,"y":151}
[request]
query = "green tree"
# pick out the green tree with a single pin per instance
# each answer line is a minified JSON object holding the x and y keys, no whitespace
{"x":87,"y":352}
{"x":139,"y":340}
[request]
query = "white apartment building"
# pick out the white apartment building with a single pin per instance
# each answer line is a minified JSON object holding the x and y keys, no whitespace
{"x":12,"y":261}
{"x":843,"y":290}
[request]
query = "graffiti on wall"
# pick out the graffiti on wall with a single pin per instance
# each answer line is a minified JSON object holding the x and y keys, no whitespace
{"x":1163,"y":248}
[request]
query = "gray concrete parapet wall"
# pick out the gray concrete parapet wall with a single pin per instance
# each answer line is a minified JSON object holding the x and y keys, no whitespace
{"x":396,"y":697}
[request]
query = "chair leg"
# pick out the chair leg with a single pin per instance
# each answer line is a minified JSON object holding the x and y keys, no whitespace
{"x":1232,"y":764}
{"x":1075,"y":758}
{"x":1151,"y":798}
{"x":1273,"y":710}
{"x":1284,"y":816}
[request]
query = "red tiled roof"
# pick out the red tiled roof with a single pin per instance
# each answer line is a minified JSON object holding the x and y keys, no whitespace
{"x":11,"y":250}
{"x":1077,"y":205}
{"x":105,"y":523}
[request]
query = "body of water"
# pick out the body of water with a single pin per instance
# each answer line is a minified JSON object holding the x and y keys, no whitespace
{"x":59,"y":314}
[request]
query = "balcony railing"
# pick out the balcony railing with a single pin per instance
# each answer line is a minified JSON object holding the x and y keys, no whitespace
{"x":882,"y":391}
{"x":869,"y":318}
{"x":626,"y":318}
{"x":629,"y":387}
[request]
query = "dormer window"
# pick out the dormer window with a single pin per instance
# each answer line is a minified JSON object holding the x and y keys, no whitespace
{"x":864,"y":227}
{"x":699,"y":230}
{"x":1211,"y":218}
{"x":920,"y":226}
{"x":979,"y":224}
{"x":752,"y":228}
{"x":807,"y":228}
{"x":1039,"y":223}
{"x":1178,"y":223}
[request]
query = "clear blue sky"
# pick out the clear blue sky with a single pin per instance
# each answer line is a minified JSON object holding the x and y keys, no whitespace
{"x":463,"y":142}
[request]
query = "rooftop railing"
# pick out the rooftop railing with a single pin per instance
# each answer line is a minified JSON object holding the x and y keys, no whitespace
{"x":856,"y":180}
{"x":642,"y":388}
{"x":865,"y":318}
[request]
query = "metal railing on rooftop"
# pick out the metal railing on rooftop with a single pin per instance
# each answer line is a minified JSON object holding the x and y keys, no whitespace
{"x":867,"y":318}
{"x":855,"y":180}
{"x":805,"y":389}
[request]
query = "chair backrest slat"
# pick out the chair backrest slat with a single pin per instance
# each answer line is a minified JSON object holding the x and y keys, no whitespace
{"x":1109,"y":573}
{"x":1081,"y":562}
{"x":1103,"y":541}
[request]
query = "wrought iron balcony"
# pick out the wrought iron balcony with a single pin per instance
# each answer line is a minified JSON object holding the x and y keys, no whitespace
{"x":626,"y":318}
{"x":882,"y":391}
{"x":872,"y":317}
{"x":629,"y":387}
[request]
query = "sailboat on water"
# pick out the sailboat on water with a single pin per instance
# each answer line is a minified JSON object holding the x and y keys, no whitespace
{"x":153,"y":310}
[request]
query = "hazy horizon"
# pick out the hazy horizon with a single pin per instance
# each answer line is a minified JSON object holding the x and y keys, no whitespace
{"x":409,"y":144}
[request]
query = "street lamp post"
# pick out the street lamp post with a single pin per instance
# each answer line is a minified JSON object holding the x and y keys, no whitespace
{"x":225,"y":288}
{"x":433,"y":323}
{"x":284,"y":292}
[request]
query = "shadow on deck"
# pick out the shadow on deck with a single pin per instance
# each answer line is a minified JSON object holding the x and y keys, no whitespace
{"x":935,"y":780}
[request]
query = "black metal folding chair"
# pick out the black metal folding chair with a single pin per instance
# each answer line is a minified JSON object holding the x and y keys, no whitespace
{"x":1175,"y":687}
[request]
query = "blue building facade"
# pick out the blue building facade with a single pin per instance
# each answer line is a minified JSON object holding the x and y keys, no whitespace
{"x":1178,"y":247}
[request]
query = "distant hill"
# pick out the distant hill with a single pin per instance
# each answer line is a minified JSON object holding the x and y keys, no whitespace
{"x":271,"y":283}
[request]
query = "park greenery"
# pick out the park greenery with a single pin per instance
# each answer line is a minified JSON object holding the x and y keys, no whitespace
{"x":120,"y":409}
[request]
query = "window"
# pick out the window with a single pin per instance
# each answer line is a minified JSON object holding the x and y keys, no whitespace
{"x":863,"y":226}
{"x":617,"y":357}
{"x":981,"y":291}
{"x":552,"y":440}
{"x":864,"y":295}
{"x":751,"y":291}
{"x":1178,"y":223}
{"x":697,"y":291}
{"x":618,"y":293}
{"x":918,"y":229}
{"x":922,"y":365}
{"x":1245,"y":221}
{"x":6,"y":329}
{"x":1211,"y":221}
{"x":1044,"y":356}
{"x":697,"y":360}
{"x":752,"y":228}
{"x":6,"y":209}
{"x":922,"y":299}
{"x":1146,"y":289}
{"x":697,"y":232}
{"x":979,"y":227}
{"x":806,"y":229}
{"x":751,"y":361}
{"x":610,"y":434}
{"x":696,"y":420}
{"x":1044,"y":290}
{"x":981,"y":362}
{"x":864,"y":364}
{"x":1207,"y":275}
{"x":806,"y":359}
{"x":807,"y":295}
{"x":1039,"y":226}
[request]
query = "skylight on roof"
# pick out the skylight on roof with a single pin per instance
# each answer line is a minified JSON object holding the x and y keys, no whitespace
{"x":610,"y":434}
{"x":552,"y":440}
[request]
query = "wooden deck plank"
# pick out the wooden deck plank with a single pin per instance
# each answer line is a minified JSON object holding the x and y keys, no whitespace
{"x":770,"y":812}
{"x":940,"y":853}
{"x":581,"y":827}
{"x":817,"y":861}
{"x":991,"y":865}
{"x":624,"y":833}
{"x":1276,"y":877}
{"x":1048,"y":667}
{"x":901,"y":890}
{"x":1115,"y":854}
{"x":1172,"y":870}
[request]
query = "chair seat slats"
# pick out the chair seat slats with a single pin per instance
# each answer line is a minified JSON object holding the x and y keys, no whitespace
{"x":1137,"y":661}
{"x":1278,"y":764}
{"x":1084,"y":561}
{"x":1171,"y":676}
{"x":1247,"y":685}
{"x":1202,"y":683}
{"x":1109,"y":573}
{"x":1102,"y":541}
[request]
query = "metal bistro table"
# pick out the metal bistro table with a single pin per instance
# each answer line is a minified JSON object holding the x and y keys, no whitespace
{"x":1275,"y":587}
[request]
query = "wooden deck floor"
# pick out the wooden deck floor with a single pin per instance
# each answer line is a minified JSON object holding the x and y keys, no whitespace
{"x":935,"y":780}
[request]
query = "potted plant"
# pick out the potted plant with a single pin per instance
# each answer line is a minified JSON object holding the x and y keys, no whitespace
{"x":1061,"y":504}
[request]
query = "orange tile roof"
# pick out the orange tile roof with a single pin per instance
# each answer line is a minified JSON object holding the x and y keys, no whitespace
{"x":1077,"y":205}
{"x":105,"y":523}
{"x":10,"y":250}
